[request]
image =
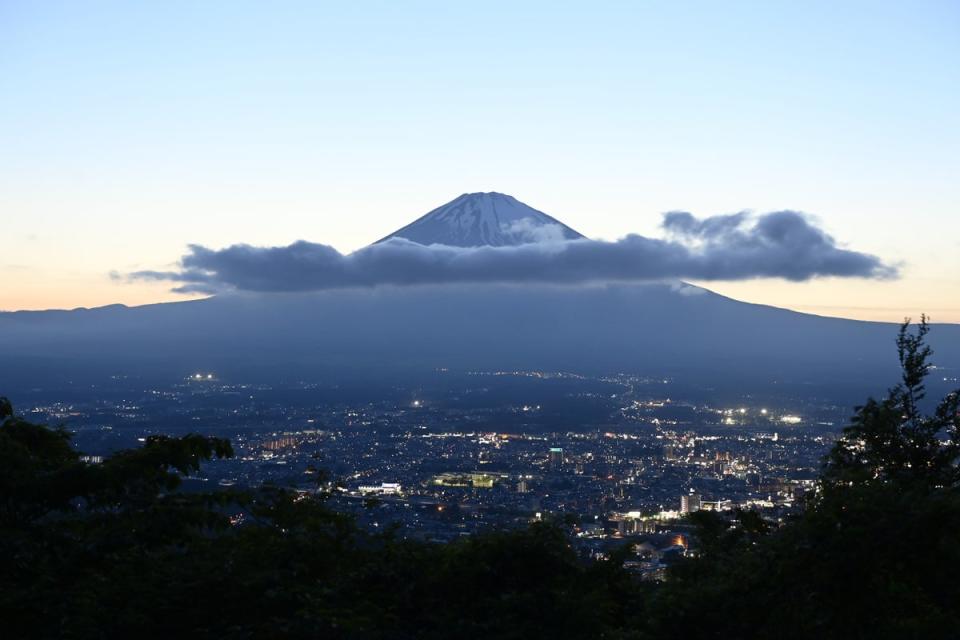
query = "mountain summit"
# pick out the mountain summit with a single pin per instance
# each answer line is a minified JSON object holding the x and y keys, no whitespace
{"x":484,"y":219}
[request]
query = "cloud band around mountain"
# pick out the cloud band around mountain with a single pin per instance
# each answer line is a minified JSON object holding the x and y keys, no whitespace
{"x":781,"y":244}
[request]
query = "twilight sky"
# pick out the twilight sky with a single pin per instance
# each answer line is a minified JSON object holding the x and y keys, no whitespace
{"x":130,"y":130}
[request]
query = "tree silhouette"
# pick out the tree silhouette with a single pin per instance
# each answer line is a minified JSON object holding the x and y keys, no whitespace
{"x":893,"y":440}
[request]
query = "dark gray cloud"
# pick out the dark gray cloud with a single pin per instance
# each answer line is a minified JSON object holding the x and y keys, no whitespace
{"x":782,"y":244}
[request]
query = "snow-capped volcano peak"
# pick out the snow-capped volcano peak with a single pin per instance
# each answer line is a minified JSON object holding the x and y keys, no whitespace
{"x":484,"y":219}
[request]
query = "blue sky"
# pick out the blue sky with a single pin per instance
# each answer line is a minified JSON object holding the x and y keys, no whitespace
{"x":128,"y":130}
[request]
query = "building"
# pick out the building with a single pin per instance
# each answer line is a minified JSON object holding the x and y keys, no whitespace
{"x":689,"y":503}
{"x":384,"y":489}
{"x":717,"y":505}
{"x":556,"y":458}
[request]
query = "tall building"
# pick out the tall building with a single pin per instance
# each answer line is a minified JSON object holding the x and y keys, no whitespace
{"x":556,"y":458}
{"x":689,"y":503}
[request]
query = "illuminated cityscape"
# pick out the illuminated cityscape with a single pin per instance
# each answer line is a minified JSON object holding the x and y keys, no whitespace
{"x":612,"y":457}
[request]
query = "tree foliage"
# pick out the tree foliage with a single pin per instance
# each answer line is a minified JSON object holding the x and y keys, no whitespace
{"x":892,"y":440}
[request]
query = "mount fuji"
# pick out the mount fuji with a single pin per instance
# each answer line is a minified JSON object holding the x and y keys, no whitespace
{"x":484,"y":219}
{"x":658,"y":329}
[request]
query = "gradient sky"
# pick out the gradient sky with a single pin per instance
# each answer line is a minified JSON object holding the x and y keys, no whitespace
{"x":129,"y":129}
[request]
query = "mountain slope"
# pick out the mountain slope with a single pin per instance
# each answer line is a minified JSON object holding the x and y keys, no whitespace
{"x":648,"y":328}
{"x":484,"y":219}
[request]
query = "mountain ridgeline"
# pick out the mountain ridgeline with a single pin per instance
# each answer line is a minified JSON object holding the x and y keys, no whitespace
{"x":647,"y":328}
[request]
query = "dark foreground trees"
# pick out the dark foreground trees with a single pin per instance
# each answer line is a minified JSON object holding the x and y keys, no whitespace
{"x":114,"y":550}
